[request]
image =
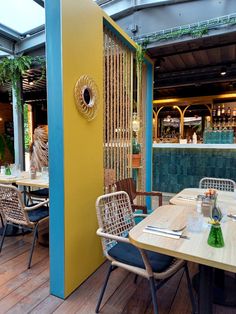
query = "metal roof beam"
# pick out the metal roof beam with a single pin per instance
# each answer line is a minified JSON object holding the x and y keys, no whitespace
{"x":31,"y":43}
{"x":9,"y":33}
{"x":122,"y":8}
{"x":6,"y":45}
{"x":40,"y":2}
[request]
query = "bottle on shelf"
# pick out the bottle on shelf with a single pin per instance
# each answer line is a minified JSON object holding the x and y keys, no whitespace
{"x":223,"y":110}
{"x":214,"y":112}
{"x":218,"y":111}
{"x":234,"y":112}
{"x":228,"y":112}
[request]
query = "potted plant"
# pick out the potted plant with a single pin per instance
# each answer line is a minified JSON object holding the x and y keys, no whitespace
{"x":136,"y":153}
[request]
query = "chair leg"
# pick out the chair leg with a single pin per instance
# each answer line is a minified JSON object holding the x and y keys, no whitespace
{"x":111,"y":268}
{"x":153,"y":293}
{"x":1,"y":220}
{"x":135,"y":279}
{"x":3,"y":235}
{"x":190,"y":289}
{"x":33,"y":244}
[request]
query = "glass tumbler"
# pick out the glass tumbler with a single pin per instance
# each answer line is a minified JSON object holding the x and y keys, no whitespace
{"x":44,"y":172}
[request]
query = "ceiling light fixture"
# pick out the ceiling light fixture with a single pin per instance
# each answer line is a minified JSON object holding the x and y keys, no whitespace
{"x":223,"y":71}
{"x":31,"y":81}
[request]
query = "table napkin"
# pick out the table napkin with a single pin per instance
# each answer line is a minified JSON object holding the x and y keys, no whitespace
{"x":187,"y":198}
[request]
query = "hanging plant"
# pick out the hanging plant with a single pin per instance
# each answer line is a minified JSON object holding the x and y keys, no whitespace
{"x":12,"y":69}
{"x":140,"y":52}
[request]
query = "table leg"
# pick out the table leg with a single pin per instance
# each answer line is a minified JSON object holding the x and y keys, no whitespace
{"x":205,"y":297}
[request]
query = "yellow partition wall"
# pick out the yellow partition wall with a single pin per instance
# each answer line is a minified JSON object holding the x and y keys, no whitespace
{"x":74,"y":42}
{"x":82,"y":46}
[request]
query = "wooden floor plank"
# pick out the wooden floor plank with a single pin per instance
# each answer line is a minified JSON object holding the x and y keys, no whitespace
{"x":26,"y":304}
{"x":166,"y":294}
{"x":23,"y":291}
{"x":84,"y":299}
{"x":17,"y":265}
{"x":27,"y":291}
{"x":13,"y":250}
{"x":48,"y":305}
{"x":117,"y":302}
{"x":140,"y":300}
{"x":22,"y":278}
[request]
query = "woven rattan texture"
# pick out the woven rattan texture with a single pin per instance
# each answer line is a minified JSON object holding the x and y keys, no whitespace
{"x":114,"y":216}
{"x":217,"y":183}
{"x":11,"y":205}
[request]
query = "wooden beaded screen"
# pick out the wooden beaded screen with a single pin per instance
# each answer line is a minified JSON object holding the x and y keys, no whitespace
{"x":120,"y":93}
{"x":118,"y":100}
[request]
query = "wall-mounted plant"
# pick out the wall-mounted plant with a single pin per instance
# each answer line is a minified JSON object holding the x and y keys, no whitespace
{"x":12,"y":68}
{"x":2,"y":148}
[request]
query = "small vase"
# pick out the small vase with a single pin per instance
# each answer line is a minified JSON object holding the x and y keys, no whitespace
{"x":215,"y":237}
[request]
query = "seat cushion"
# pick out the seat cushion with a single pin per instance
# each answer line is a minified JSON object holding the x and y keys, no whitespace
{"x":38,"y":213}
{"x":40,"y":193}
{"x":129,"y":254}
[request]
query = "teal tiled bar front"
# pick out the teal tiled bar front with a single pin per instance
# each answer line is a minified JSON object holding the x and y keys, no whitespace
{"x":179,"y":166}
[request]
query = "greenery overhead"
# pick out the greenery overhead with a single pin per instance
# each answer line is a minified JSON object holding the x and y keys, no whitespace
{"x":194,"y":30}
{"x":12,"y":69}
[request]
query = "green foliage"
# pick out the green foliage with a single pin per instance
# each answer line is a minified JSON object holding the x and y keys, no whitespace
{"x":194,"y":30}
{"x":9,"y":144}
{"x":26,"y":128}
{"x":136,"y":147}
{"x":140,"y":52}
{"x":2,"y":148}
{"x":12,"y":68}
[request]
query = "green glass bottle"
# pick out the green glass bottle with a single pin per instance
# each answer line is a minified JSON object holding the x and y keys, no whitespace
{"x":7,"y":171}
{"x":215,"y":237}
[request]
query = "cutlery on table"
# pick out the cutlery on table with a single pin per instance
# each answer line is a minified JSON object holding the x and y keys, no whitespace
{"x":177,"y":234}
{"x":163,"y":228}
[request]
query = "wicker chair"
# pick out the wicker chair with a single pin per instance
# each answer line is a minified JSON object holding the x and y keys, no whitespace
{"x":128,"y":185}
{"x":116,"y":219}
{"x":16,"y":213}
{"x":217,"y":183}
{"x":38,"y":195}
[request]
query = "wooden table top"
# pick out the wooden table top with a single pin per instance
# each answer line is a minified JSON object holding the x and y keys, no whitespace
{"x":224,"y":199}
{"x":194,"y":249}
{"x":38,"y":182}
{"x":24,"y":179}
{"x":8,"y":179}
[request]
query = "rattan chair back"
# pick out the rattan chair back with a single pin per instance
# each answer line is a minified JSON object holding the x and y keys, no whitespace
{"x":115,"y":216}
{"x":12,"y":206}
{"x":217,"y":183}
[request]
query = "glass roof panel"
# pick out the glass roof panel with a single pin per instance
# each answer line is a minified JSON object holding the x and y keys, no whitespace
{"x":21,"y":16}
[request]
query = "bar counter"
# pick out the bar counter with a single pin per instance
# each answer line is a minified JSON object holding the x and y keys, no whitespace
{"x":179,"y":166}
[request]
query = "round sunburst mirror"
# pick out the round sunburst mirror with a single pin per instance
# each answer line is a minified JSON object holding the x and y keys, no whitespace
{"x":86,"y":97}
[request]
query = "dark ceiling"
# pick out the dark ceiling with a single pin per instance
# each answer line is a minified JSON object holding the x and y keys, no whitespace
{"x":34,"y":88}
{"x":194,"y":67}
{"x":188,"y":68}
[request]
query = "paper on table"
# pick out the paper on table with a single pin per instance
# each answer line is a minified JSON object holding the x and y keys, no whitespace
{"x":163,"y":232}
{"x":188,"y":198}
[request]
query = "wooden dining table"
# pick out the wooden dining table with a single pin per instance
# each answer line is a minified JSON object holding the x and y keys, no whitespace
{"x":188,"y":197}
{"x":39,"y":182}
{"x":22,"y":179}
{"x":194,"y":248}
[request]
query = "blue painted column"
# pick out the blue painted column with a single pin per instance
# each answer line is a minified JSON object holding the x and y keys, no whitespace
{"x":56,"y":146}
{"x":148,"y":130}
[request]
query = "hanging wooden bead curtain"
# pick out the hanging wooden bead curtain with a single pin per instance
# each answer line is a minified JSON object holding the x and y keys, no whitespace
{"x":118,"y":100}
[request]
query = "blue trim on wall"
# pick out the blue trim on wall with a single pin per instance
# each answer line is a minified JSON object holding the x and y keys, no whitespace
{"x":149,"y":100}
{"x":56,"y":147}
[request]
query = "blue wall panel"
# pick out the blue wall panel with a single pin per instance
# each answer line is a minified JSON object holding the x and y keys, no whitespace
{"x":56,"y":148}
